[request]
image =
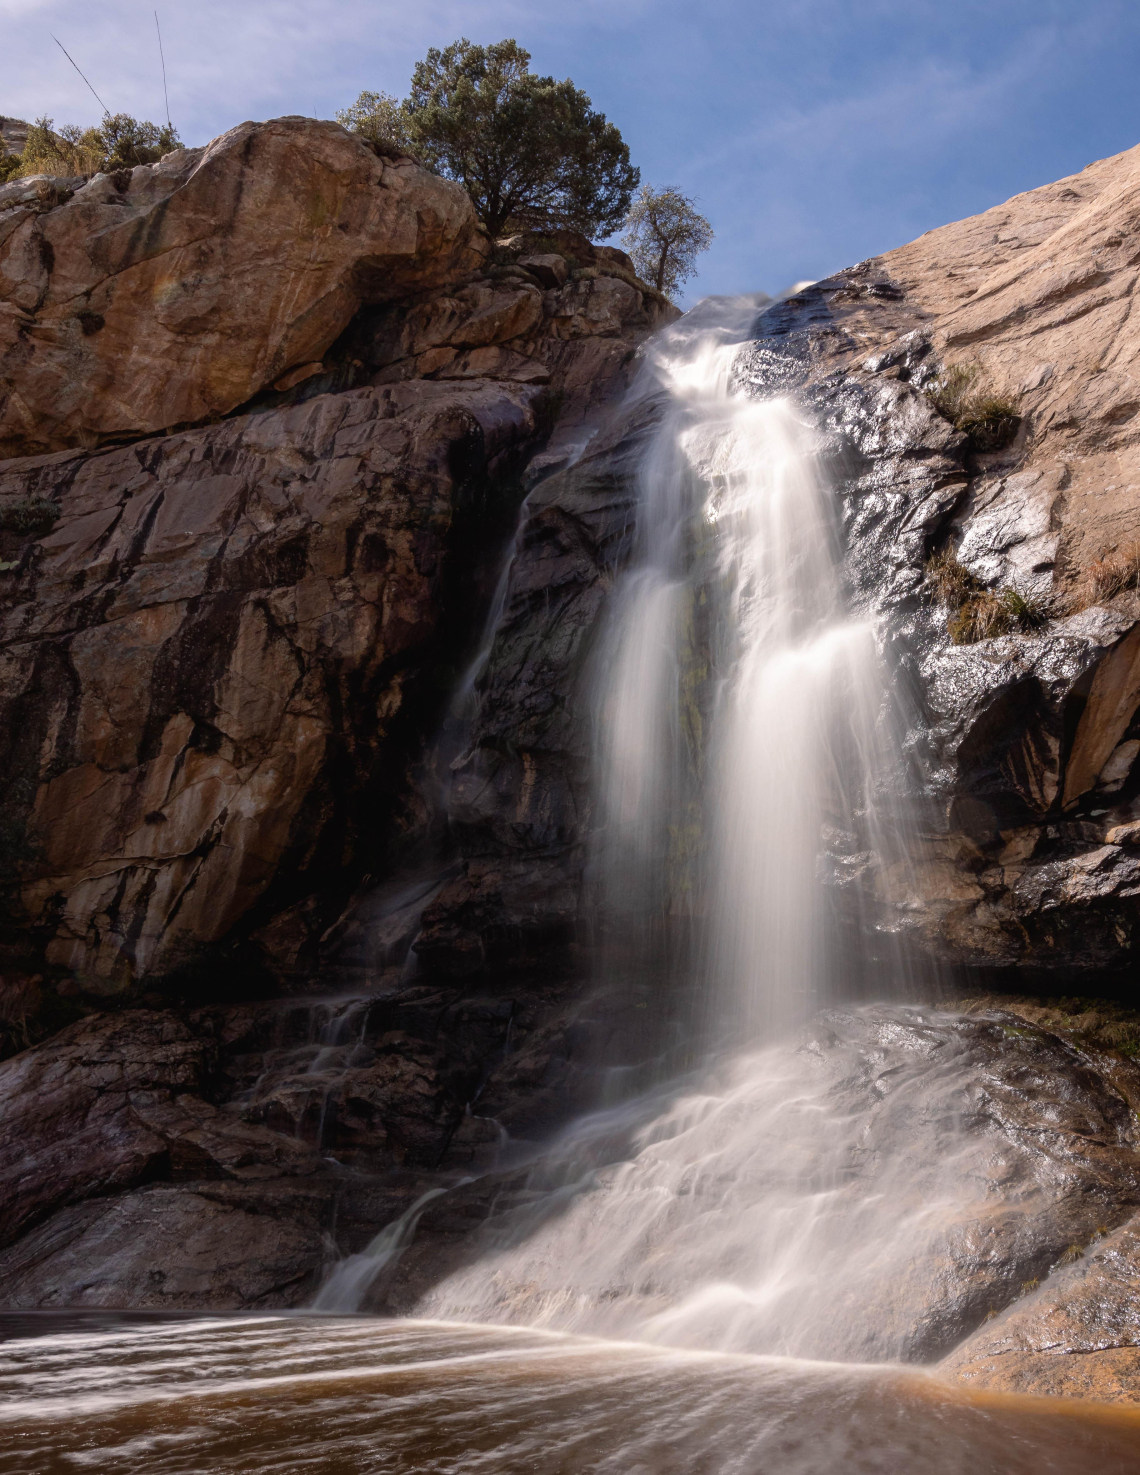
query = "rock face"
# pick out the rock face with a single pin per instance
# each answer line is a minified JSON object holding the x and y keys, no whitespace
{"x":221,"y":1157}
{"x":209,"y":657}
{"x":226,"y":646}
{"x":170,"y":294}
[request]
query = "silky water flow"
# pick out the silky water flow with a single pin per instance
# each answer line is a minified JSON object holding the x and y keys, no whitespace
{"x":744,"y":732}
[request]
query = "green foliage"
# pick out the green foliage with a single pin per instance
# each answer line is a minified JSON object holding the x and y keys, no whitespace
{"x":29,"y":516}
{"x":530,"y":151}
{"x":9,"y":166}
{"x":989,"y":419}
{"x":664,"y":234}
{"x":127,"y":141}
{"x":987,"y":615}
{"x":1026,"y":611}
{"x":119,"y":142}
{"x":382,"y":119}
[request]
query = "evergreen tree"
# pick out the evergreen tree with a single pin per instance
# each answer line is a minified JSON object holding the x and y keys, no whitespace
{"x":531,"y":152}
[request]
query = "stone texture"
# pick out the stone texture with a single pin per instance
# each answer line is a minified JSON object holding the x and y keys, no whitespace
{"x":114,"y":1102}
{"x":206,"y":657}
{"x":176,"y":1248}
{"x":1077,"y":1335}
{"x":173,"y":293}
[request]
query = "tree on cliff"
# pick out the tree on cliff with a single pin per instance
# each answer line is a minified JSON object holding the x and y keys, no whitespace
{"x":531,"y":152}
{"x":664,"y":234}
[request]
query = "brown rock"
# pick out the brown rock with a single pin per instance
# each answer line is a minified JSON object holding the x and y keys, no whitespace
{"x":113,"y":1102}
{"x":180,"y":1248}
{"x":176,"y":292}
{"x":1038,"y":292}
{"x":550,"y":269}
{"x":1078,"y":1335}
{"x":184,"y":650}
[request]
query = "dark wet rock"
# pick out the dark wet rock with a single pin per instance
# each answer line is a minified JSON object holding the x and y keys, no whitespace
{"x":1077,"y":1335}
{"x":178,"y":1247}
{"x":116,"y":1101}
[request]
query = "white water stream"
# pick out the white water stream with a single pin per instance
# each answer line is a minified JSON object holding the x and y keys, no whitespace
{"x":742,"y":729}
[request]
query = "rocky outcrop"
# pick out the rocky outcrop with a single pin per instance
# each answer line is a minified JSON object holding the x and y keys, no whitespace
{"x":172,"y":293}
{"x":226,"y":646}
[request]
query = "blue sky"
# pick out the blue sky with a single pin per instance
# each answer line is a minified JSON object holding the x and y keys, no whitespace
{"x":812,"y":132}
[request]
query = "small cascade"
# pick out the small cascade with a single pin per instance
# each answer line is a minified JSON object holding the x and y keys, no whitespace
{"x":351,"y":1278}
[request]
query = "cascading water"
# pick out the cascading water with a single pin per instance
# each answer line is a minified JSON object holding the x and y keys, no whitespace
{"x":743,"y":723}
{"x":741,"y":707}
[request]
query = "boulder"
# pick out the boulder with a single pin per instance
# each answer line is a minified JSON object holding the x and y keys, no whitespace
{"x":172,"y":293}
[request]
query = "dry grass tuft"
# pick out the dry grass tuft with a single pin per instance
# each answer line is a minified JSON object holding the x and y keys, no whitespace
{"x":989,"y":419}
{"x":978,"y":613}
{"x":950,"y":581}
{"x":1113,"y":572}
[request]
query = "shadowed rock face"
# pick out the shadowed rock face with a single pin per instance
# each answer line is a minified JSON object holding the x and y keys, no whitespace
{"x":225,"y":647}
{"x":210,"y":655}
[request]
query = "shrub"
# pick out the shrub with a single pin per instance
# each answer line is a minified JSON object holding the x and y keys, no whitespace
{"x":383,"y":120}
{"x":951,"y":581}
{"x":1027,"y":611}
{"x":978,"y":613}
{"x":986,"y":615}
{"x":119,"y":142}
{"x":963,"y":397}
{"x":980,"y":618}
{"x":29,"y":516}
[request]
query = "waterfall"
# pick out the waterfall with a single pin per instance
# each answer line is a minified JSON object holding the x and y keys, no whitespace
{"x":740,"y":707}
{"x":743,"y":734}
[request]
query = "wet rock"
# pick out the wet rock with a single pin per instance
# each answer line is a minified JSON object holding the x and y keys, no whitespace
{"x":1018,"y":749}
{"x":213,"y":654}
{"x":1077,"y":1336}
{"x":965,"y":1156}
{"x":201,"y":1248}
{"x":116,"y":1101}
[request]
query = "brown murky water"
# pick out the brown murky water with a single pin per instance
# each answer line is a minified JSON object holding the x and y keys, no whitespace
{"x":295,"y":1394}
